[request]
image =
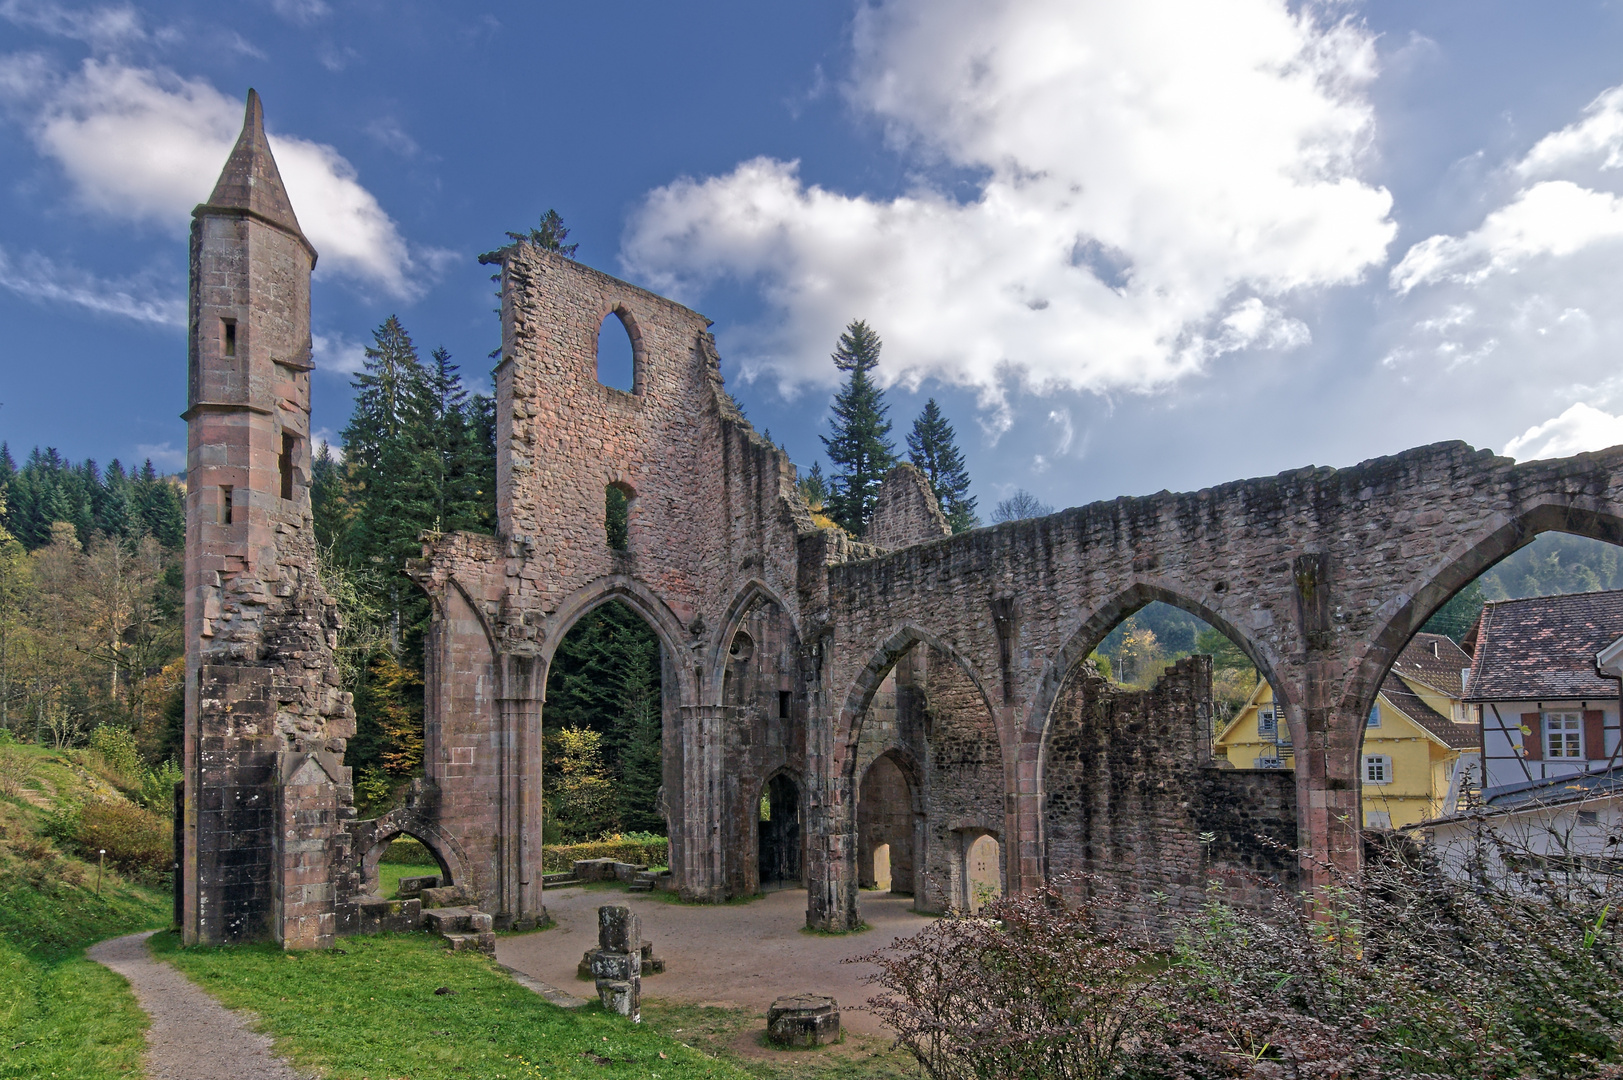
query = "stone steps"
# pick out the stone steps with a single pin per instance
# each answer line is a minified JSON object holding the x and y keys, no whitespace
{"x":462,"y":928}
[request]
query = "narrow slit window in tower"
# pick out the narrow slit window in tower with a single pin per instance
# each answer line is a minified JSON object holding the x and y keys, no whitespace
{"x":783,"y":704}
{"x":225,"y":504}
{"x":228,"y":337}
{"x":284,"y":463}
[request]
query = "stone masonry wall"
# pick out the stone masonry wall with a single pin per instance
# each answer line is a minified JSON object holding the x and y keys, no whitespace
{"x":1131,"y":789}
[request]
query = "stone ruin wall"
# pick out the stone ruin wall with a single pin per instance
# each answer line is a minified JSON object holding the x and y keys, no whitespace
{"x":1131,"y":787}
{"x":955,"y":657}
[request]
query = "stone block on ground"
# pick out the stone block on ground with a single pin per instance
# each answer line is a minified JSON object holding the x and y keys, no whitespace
{"x":594,"y":870}
{"x":413,"y":886}
{"x":449,"y":896}
{"x":483,"y":942}
{"x":457,"y":920}
{"x":389,"y":916}
{"x":803,"y":1020}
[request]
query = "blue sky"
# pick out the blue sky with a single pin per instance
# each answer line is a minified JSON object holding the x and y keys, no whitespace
{"x":1128,"y":247}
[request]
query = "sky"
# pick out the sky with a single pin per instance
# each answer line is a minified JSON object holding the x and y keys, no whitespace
{"x":1127,"y":247}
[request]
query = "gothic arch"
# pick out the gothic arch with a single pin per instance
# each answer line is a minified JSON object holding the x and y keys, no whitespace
{"x":1401,"y":617}
{"x":407,"y":821}
{"x":863,"y":687}
{"x":716,"y":662}
{"x":1093,"y":629}
{"x":637,"y":596}
{"x":639,"y":349}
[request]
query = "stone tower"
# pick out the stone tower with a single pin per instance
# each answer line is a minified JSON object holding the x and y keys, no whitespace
{"x":266,"y":791}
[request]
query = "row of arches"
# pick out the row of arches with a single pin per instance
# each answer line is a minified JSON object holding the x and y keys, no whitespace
{"x":956,"y":753}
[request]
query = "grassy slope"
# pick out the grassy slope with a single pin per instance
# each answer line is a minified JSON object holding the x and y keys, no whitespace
{"x":61,"y":1014}
{"x":368,"y":1009}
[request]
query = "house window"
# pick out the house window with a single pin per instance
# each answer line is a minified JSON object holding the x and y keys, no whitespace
{"x":1589,"y":817}
{"x":1267,"y":725}
{"x":1563,"y":734}
{"x":1374,"y":716}
{"x":1377,"y":769}
{"x":1378,"y":819}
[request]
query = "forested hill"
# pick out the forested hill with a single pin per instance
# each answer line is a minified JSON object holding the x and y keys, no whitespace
{"x":112,"y":502}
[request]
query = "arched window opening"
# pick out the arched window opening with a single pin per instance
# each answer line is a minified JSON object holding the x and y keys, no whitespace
{"x":778,"y":834}
{"x":403,"y":860}
{"x":616,"y":355}
{"x":928,"y":716}
{"x":983,"y":872}
{"x":603,"y":727}
{"x":617,"y":499}
{"x":1499,"y":696}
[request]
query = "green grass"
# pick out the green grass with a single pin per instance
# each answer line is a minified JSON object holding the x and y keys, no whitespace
{"x":738,"y":1037}
{"x":389,"y":875}
{"x":60,"y":1013}
{"x":367,"y":1010}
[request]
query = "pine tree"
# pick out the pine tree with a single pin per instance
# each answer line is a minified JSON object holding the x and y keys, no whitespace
{"x":549,"y":235}
{"x":859,"y":448}
{"x":392,"y":466}
{"x":932,"y":447}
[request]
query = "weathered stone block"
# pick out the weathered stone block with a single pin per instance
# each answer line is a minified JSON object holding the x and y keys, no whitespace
{"x":804,"y":1020}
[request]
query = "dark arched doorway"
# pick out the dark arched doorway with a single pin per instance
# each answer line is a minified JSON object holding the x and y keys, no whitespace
{"x":779,"y":834}
{"x":885,"y":828}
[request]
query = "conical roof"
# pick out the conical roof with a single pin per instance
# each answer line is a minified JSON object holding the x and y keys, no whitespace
{"x":250,"y":180}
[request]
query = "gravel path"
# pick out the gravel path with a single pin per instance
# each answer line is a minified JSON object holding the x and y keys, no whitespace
{"x":193,"y":1037}
{"x":737,"y":955}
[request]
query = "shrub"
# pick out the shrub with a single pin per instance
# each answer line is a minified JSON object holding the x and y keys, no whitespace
{"x":408,"y":852}
{"x":16,"y":769}
{"x":157,"y":789}
{"x":643,"y":848}
{"x":1400,"y":972}
{"x":137,"y":841}
{"x":116,"y":748}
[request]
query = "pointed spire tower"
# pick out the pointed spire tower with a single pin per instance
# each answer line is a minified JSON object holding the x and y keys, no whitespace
{"x":262,"y":698}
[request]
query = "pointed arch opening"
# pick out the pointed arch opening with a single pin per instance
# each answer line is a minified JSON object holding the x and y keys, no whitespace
{"x":603,"y":729}
{"x":924,"y":755}
{"x":619,"y":353}
{"x":1157,"y":685}
{"x":779,"y":838}
{"x":1486,"y":688}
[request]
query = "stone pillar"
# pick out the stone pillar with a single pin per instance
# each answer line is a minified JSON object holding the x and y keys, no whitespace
{"x":617,"y":961}
{"x":518,"y":900}
{"x":701,"y":876}
{"x":1327,"y":787}
{"x":1026,"y":869}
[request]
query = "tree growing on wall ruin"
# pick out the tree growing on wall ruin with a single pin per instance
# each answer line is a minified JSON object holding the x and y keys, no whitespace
{"x":859,"y":448}
{"x":932,"y":446}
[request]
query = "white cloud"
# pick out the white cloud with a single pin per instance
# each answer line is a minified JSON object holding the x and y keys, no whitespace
{"x":301,"y":12}
{"x":100,"y":27}
{"x":164,"y":455}
{"x":1551,"y":218}
{"x":1157,"y":178}
{"x":39,"y":278}
{"x":1579,"y":429}
{"x":337,"y":354}
{"x":145,"y":144}
{"x":1526,"y":299}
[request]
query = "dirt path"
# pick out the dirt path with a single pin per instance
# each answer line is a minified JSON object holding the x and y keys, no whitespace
{"x":193,"y":1037}
{"x":734,"y":955}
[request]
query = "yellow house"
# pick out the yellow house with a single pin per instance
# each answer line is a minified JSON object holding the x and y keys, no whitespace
{"x":1415,"y":734}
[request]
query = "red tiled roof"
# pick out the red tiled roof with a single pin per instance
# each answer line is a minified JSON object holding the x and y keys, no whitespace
{"x":1435,"y":660}
{"x":1543,"y":648}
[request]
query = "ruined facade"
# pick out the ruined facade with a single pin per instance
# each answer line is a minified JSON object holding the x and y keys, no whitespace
{"x":920,"y":693}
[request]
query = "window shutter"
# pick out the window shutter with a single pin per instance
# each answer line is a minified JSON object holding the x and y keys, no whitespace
{"x":1533,"y":741}
{"x":1595,"y":734}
